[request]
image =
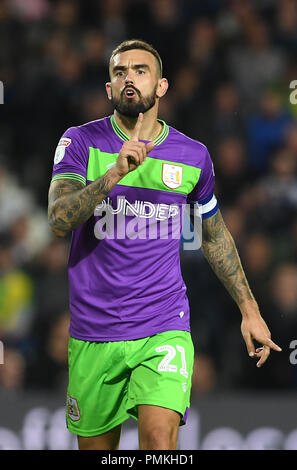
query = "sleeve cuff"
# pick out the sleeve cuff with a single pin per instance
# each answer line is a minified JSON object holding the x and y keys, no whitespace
{"x":70,"y":176}
{"x":207,"y":206}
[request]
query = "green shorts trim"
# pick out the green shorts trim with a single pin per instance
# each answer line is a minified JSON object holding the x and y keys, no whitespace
{"x":108,"y":380}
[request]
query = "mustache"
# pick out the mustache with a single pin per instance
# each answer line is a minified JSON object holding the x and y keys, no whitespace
{"x":133,"y":88}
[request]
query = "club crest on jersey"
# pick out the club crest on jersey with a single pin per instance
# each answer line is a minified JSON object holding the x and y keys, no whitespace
{"x":72,"y":408}
{"x":172,"y":175}
{"x":60,"y":150}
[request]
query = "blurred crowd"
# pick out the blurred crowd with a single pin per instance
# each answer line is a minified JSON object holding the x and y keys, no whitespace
{"x":229,"y":64}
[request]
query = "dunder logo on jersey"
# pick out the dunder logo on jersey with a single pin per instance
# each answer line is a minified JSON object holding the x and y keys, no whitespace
{"x":60,"y":150}
{"x":72,"y":408}
{"x":172,"y":175}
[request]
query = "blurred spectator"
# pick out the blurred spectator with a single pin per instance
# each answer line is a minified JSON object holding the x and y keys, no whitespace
{"x":31,"y":10}
{"x":65,"y":16}
{"x":56,"y":47}
{"x":291,"y":243}
{"x":49,"y":271}
{"x":291,"y":139}
{"x":47,"y":367}
{"x":16,"y":296}
{"x":94,"y":102}
{"x":113,"y":23}
{"x":230,"y":20}
{"x":205,"y":54}
{"x":204,"y":376}
{"x":287,"y":24}
{"x":278,"y":191}
{"x":243,"y":11}
{"x":281,"y":185}
{"x":19,"y":231}
{"x":266,"y":130}
{"x":235,"y":220}
{"x":165,"y":17}
{"x":14,"y":200}
{"x":256,"y":62}
{"x":11,"y":32}
{"x":257,"y":255}
{"x":187,"y":96}
{"x":227,"y":119}
{"x":12,"y":372}
{"x":257,"y":259}
{"x":231,"y":169}
{"x":30,"y":236}
{"x":167,"y":109}
{"x":95,"y":72}
{"x":18,"y":212}
{"x":202,"y":42}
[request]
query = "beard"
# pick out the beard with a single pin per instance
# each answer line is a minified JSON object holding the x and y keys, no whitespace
{"x":131,"y":108}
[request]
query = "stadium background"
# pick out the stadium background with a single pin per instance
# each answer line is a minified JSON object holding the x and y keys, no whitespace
{"x":229,"y":65}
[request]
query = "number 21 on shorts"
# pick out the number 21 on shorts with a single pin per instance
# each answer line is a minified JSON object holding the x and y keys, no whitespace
{"x":165,"y":365}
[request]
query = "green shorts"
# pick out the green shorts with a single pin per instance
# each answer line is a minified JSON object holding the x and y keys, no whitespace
{"x":107,"y":381}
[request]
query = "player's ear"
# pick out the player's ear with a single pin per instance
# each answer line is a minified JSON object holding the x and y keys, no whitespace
{"x":162,"y":87}
{"x":108,"y":90}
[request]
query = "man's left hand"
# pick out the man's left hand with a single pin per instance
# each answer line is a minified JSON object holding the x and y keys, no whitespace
{"x":253,"y":327}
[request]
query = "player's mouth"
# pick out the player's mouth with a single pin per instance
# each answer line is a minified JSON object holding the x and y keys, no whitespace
{"x":129,"y":93}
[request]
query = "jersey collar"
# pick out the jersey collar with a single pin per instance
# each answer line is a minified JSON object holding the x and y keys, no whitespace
{"x":123,"y":136}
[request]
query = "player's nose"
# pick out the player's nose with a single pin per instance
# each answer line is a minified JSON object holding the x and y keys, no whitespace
{"x":129,"y":78}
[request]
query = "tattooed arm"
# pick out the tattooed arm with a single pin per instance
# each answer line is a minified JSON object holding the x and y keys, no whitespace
{"x":71,"y":203}
{"x":220,"y":251}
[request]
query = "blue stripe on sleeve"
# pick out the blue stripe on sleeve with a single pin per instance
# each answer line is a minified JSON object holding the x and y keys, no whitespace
{"x":206,"y":199}
{"x":210,"y":213}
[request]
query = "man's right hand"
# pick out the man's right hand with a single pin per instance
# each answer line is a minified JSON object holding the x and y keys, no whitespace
{"x":133,"y":153}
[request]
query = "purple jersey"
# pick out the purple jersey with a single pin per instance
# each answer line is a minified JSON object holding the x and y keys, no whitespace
{"x":125,"y":281}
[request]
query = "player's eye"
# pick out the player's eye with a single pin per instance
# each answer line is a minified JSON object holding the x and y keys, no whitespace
{"x":140,"y":72}
{"x":120,"y":74}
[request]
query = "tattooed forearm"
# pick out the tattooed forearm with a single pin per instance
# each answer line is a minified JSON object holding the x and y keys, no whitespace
{"x":219,"y":249}
{"x":71,"y":204}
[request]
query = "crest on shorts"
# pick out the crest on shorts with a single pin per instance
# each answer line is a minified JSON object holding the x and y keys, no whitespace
{"x":72,"y":408}
{"x":172,"y":175}
{"x":60,"y":150}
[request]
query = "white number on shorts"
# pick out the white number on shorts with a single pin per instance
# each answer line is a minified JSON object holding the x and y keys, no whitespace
{"x":165,"y":365}
{"x":183,"y":369}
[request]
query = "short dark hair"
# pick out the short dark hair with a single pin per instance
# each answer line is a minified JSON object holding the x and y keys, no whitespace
{"x":138,"y":44}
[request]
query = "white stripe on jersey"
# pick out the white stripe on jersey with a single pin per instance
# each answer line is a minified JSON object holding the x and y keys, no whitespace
{"x":209,"y":205}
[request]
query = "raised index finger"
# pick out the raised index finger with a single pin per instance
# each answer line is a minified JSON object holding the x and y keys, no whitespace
{"x":136,"y":130}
